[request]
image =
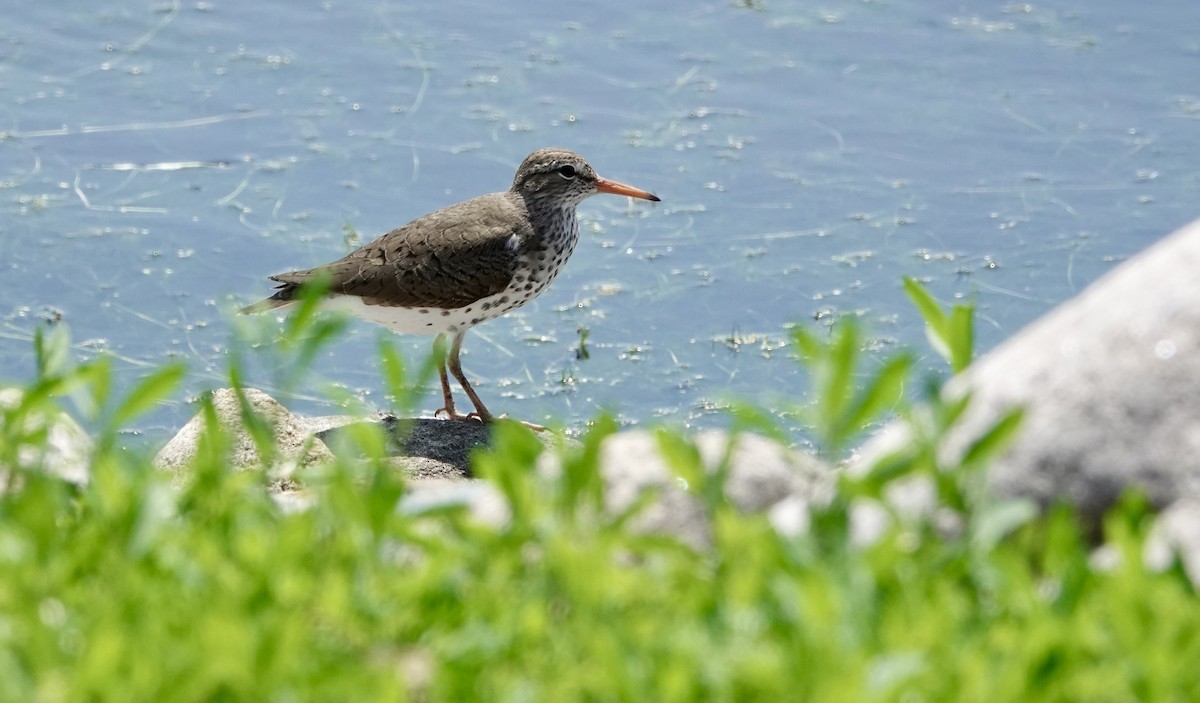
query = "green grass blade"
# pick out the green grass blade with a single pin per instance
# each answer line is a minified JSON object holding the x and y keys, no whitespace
{"x":961,"y":337}
{"x":885,"y":391}
{"x":998,"y":438}
{"x":926,"y":305}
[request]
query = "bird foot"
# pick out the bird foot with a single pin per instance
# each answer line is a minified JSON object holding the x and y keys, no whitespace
{"x":451,"y":414}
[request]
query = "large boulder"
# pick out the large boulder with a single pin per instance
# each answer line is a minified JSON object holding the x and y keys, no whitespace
{"x":1110,"y":383}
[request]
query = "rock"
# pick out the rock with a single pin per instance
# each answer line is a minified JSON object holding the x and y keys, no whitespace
{"x":486,"y":503}
{"x":1176,"y":534}
{"x":66,"y":451}
{"x":423,"y":448}
{"x":763,"y":477}
{"x":1111,"y":385}
{"x":435,"y":455}
{"x":428,"y":448}
{"x":296,"y":444}
{"x":1173,"y":537}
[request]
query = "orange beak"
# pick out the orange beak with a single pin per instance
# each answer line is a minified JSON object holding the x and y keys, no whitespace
{"x":606,"y":186}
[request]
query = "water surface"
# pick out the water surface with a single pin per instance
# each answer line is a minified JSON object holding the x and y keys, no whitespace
{"x":158,"y":160}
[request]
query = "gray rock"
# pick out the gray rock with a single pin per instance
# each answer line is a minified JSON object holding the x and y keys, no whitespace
{"x":1111,"y":385}
{"x":423,"y":448}
{"x":763,"y":477}
{"x":486,"y":503}
{"x":66,"y":451}
{"x":1176,"y":535}
{"x":296,"y":445}
{"x":435,"y":455}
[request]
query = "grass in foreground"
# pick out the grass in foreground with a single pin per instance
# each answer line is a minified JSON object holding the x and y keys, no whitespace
{"x":130,"y":589}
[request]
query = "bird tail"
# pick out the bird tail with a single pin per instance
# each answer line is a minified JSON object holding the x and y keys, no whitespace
{"x":285,"y":295}
{"x":264,"y":306}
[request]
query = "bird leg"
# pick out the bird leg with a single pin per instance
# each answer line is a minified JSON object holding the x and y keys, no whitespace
{"x":439,"y":348}
{"x":481,"y":412}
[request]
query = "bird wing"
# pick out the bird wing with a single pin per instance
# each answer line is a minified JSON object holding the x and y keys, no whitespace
{"x":447,"y":259}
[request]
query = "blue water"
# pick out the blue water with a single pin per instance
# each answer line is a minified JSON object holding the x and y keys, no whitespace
{"x":158,"y":160}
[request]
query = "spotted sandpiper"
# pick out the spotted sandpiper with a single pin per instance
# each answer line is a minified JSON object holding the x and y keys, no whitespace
{"x":468,"y":263}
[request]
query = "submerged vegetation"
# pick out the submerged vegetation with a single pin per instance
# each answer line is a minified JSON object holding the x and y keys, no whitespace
{"x":130,"y":588}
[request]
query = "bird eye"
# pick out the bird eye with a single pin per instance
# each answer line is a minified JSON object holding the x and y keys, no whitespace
{"x":567,"y":171}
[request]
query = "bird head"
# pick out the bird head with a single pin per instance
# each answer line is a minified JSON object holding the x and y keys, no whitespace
{"x":564,"y":176}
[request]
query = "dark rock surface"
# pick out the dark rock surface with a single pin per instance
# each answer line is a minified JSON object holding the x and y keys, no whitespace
{"x":428,"y":448}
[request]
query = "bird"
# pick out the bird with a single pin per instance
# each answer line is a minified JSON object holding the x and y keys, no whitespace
{"x":473,"y":261}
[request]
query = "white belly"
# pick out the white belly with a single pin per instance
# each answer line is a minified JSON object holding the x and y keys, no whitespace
{"x":422,"y":320}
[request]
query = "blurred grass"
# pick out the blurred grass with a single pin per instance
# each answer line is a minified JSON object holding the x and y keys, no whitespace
{"x":132,"y":589}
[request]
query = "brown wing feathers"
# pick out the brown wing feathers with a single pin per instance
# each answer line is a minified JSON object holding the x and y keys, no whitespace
{"x":447,"y":259}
